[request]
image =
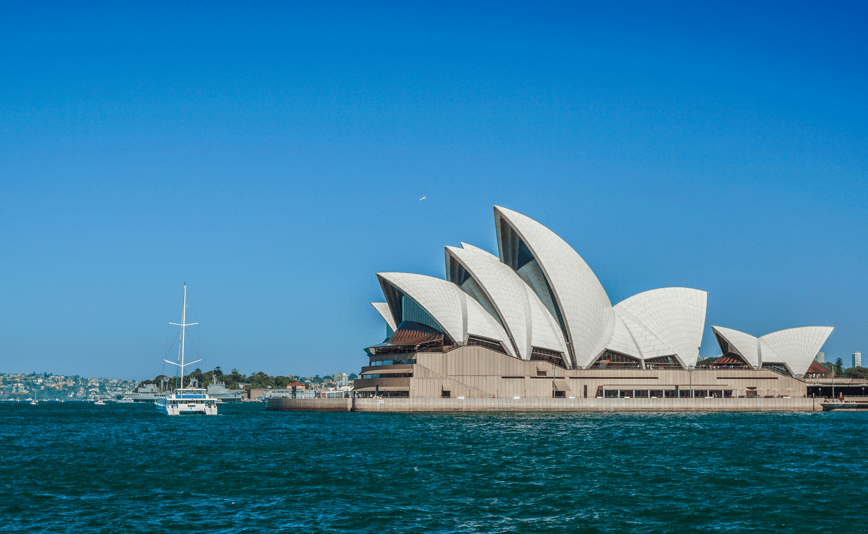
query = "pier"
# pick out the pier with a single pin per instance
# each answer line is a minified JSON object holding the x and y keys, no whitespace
{"x":411,"y":405}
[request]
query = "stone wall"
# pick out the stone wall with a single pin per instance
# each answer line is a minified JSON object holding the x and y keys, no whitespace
{"x":795,"y":404}
{"x":310,"y":405}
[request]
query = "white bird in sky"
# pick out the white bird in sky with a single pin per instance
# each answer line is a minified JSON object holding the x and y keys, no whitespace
{"x":423,"y":198}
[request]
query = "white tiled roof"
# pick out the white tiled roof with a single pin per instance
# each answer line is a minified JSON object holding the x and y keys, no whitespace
{"x":384,"y":311}
{"x":545,"y":330}
{"x":622,"y":341}
{"x":534,"y":278}
{"x":650,"y":345}
{"x":676,"y":315}
{"x":584,"y":304}
{"x":525,"y":318}
{"x":443,"y":300}
{"x":795,"y":347}
{"x":458,"y":314}
{"x":481,"y":323}
{"x":744,"y":344}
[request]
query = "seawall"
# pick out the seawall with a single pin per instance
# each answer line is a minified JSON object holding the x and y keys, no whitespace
{"x":405,"y":405}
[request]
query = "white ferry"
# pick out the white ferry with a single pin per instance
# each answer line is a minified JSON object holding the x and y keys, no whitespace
{"x":187,"y":401}
{"x":183,"y":400}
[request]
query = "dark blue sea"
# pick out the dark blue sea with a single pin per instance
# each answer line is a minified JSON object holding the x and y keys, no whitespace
{"x":123,"y":468}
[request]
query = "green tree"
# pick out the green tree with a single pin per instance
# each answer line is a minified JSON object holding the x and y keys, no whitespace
{"x":233,"y":379}
{"x":856,"y":372}
{"x":839,"y":367}
{"x":281,"y":381}
{"x":353,"y":376}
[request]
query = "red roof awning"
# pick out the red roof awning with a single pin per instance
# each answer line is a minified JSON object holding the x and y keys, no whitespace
{"x":818,"y":369}
{"x":728,"y":360}
{"x":411,"y":333}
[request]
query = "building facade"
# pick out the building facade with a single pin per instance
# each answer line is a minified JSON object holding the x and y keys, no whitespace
{"x":534,"y":321}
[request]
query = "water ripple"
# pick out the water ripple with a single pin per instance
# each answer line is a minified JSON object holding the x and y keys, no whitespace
{"x":124,"y":468}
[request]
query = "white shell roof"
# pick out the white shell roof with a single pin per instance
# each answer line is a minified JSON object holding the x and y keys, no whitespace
{"x":795,"y":347}
{"x":622,"y":341}
{"x":473,"y":289}
{"x":535,"y":279}
{"x":524,"y":316}
{"x":675,"y":315}
{"x":481,"y":323}
{"x":545,"y":330}
{"x":459,"y":315}
{"x":443,"y":300}
{"x":384,"y":311}
{"x":649,"y":344}
{"x":745,"y":344}
{"x":584,"y":305}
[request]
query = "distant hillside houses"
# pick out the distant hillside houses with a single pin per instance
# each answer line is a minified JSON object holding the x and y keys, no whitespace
{"x":47,"y":386}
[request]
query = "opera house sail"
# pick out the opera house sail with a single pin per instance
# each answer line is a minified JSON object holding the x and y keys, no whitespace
{"x":788,"y":351}
{"x":534,"y":321}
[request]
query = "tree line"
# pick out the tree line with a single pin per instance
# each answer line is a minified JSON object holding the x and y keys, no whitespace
{"x":237,"y":380}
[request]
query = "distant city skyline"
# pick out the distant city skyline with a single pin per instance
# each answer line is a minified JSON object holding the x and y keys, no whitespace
{"x":274,"y":157}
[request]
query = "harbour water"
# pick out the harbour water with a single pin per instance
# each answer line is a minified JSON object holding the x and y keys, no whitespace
{"x":76,"y":467}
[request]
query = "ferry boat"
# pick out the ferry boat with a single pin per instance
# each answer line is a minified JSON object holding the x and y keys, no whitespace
{"x":183,"y":400}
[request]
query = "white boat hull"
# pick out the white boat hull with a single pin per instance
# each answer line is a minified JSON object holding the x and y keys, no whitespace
{"x":178,"y":405}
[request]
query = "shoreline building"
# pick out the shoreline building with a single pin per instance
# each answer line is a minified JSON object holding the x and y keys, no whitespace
{"x":535,"y":322}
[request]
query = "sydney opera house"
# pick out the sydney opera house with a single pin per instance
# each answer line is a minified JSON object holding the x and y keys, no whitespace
{"x":535,"y":322}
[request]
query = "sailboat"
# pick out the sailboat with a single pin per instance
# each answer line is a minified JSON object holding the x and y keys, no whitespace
{"x":183,"y":401}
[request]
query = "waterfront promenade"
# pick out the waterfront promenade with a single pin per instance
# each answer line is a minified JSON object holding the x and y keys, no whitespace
{"x":402,"y":405}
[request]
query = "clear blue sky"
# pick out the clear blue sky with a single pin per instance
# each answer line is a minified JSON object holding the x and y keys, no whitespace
{"x":271,"y":155}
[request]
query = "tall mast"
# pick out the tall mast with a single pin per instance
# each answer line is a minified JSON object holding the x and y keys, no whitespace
{"x":183,"y":326}
{"x":183,"y":330}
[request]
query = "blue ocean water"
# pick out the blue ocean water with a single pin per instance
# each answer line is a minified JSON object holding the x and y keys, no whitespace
{"x":123,"y":468}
